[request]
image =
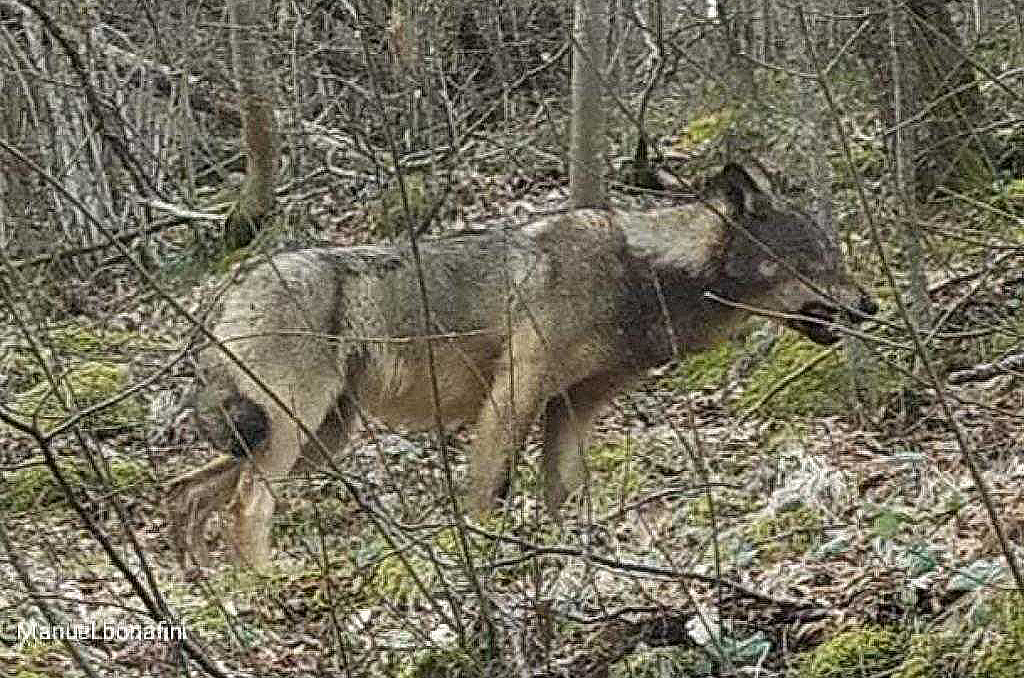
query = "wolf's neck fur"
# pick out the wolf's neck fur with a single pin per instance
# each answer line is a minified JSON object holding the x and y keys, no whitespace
{"x":679,"y":254}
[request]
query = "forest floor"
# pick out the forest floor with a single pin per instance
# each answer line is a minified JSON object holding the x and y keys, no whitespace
{"x":769,"y":508}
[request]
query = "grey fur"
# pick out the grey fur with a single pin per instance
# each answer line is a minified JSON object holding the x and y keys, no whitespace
{"x":564,"y":313}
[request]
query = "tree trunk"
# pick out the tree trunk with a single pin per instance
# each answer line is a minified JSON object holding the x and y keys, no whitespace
{"x":953,"y":144}
{"x":587,"y":138}
{"x":903,"y":151}
{"x":938,"y":91}
{"x":259,"y":128}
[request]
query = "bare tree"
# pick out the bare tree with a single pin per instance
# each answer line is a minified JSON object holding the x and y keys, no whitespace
{"x":939,"y":93}
{"x":903,"y":151}
{"x":587,"y":140}
{"x":259,"y":127}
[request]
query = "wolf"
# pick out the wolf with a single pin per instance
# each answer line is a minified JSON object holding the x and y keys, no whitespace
{"x":556,"y":316}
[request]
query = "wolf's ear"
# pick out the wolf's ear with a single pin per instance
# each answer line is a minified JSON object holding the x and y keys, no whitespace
{"x":742,"y":191}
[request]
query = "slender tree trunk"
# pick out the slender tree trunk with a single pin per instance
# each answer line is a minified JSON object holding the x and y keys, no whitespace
{"x":903,"y":152}
{"x":587,"y":138}
{"x":17,"y":116}
{"x":768,"y":30}
{"x":259,"y":127}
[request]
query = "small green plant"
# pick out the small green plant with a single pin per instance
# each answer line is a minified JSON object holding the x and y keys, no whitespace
{"x":727,"y":503}
{"x":786,"y":533}
{"x":388,"y":215}
{"x":927,"y":655}
{"x":661,"y":662}
{"x":33,"y":655}
{"x":442,"y":663}
{"x":867,"y":651}
{"x":1005,"y":658}
{"x":869,"y":157}
{"x":706,"y":128}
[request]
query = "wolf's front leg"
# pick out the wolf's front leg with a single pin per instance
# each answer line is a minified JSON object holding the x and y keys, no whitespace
{"x":517,"y":392}
{"x":566,"y":433}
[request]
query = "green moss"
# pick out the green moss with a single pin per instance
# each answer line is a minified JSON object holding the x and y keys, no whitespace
{"x":35,"y":486}
{"x":926,"y":657}
{"x":868,"y":156}
{"x":235,"y":588}
{"x":88,"y":363}
{"x":21,"y":370}
{"x":726,"y":503}
{"x":442,"y":663}
{"x":612,"y":473}
{"x":813,"y":393}
{"x":87,"y":384}
{"x":1014,"y":189}
{"x":661,"y":661}
{"x":704,"y":370}
{"x":32,"y":658}
{"x":1005,"y":658}
{"x":30,"y":486}
{"x":391,"y":580}
{"x":867,"y":651}
{"x":383,"y":575}
{"x":787,"y":533}
{"x":607,"y":458}
{"x":706,"y":128}
{"x":78,"y":339}
{"x":387,"y":215}
{"x":932,"y":653}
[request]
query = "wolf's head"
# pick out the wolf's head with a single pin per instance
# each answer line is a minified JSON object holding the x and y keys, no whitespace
{"x":784,"y":262}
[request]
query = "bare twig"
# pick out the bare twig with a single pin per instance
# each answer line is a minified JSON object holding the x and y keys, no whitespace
{"x":1010,"y":364}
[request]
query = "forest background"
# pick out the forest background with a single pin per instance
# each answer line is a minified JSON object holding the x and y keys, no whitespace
{"x":768,"y":508}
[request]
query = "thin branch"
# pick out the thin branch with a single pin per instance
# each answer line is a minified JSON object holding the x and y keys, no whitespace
{"x":1010,"y":364}
{"x":919,"y":346}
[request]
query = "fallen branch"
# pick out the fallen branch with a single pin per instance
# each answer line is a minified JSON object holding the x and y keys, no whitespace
{"x":119,"y":239}
{"x":1011,"y":363}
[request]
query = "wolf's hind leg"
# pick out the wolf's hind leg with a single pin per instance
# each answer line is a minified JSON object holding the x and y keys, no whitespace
{"x":253,"y":504}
